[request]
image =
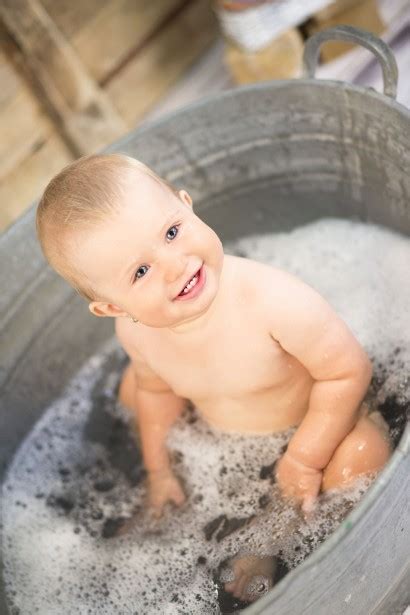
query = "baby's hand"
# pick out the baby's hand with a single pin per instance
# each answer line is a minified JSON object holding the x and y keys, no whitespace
{"x":298,"y":481}
{"x":163,"y":487}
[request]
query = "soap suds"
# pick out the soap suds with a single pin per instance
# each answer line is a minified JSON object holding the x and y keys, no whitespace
{"x":77,"y":537}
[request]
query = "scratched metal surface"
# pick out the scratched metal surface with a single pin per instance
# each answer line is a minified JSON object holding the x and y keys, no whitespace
{"x":270,"y":156}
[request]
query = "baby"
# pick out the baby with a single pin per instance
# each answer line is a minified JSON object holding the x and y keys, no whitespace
{"x":254,"y":348}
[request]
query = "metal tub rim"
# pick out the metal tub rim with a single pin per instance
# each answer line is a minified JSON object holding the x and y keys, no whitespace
{"x":403,"y":448}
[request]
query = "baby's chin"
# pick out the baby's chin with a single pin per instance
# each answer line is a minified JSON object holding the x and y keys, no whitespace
{"x":173,"y":322}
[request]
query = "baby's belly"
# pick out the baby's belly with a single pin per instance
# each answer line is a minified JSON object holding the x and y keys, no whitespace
{"x":266,"y":411}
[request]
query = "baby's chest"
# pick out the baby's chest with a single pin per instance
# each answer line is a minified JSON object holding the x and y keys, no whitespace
{"x":231,"y":366}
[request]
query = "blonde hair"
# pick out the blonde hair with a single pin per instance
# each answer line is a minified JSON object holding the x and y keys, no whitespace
{"x":78,"y":198}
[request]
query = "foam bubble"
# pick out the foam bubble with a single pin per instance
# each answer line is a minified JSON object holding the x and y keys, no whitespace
{"x":77,"y":478}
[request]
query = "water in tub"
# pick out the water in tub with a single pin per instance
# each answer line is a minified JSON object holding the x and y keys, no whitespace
{"x":78,"y":475}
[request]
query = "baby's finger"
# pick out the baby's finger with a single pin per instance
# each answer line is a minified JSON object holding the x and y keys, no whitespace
{"x":309,"y":505}
{"x":178,"y":498}
{"x":240,"y":585}
{"x":230,"y":587}
{"x":156,"y":509}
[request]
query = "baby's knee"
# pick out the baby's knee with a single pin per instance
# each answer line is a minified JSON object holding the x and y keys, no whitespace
{"x":365,"y":450}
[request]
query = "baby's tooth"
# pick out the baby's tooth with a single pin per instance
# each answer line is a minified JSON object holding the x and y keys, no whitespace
{"x":190,"y":284}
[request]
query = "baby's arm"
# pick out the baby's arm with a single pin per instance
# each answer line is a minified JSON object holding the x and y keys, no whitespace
{"x":306,"y":327}
{"x":156,"y":408}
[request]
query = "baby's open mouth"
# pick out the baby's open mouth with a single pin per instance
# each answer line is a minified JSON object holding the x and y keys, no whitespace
{"x":192,"y":282}
{"x":194,"y":285}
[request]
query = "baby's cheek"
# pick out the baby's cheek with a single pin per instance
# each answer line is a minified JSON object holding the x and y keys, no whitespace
{"x":153,"y":304}
{"x":204,"y":242}
{"x":214,"y":246}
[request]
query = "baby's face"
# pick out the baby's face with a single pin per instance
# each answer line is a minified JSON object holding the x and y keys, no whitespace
{"x":142,"y":259}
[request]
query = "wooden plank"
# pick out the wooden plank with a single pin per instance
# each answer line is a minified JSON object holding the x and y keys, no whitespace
{"x":364,"y":14}
{"x":23,"y":123}
{"x":26,"y":182}
{"x":281,"y":59}
{"x":144,"y":80}
{"x":87,"y":118}
{"x":122,"y":26}
{"x":9,"y":78}
{"x":71,"y":16}
{"x":22,"y":127}
{"x":104,"y":32}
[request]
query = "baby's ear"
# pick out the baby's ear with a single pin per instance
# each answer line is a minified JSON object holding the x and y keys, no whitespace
{"x":102,"y":309}
{"x":185,"y":198}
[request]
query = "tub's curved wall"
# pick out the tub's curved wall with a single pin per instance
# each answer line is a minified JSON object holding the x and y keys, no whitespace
{"x":268,"y":157}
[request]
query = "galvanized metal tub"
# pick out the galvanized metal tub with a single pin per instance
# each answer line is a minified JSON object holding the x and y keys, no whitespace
{"x":267,"y":157}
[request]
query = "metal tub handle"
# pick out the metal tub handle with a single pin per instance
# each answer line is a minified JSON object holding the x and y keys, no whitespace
{"x":354,"y":35}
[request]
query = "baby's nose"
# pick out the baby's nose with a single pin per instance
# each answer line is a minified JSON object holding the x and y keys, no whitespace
{"x":175,"y":266}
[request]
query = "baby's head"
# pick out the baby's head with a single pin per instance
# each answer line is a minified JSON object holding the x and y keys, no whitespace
{"x":128,"y":241}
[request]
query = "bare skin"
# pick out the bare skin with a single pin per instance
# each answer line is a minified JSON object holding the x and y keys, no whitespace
{"x":252,"y":574}
{"x":254,"y":348}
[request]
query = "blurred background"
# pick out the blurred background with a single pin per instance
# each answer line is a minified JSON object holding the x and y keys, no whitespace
{"x":76,"y":75}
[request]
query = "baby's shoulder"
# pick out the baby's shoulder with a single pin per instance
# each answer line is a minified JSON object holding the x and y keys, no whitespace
{"x":272,"y":291}
{"x":255,"y":276}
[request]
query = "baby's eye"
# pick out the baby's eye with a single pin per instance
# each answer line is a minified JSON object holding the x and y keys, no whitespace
{"x":172,"y":232}
{"x":141,"y":271}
